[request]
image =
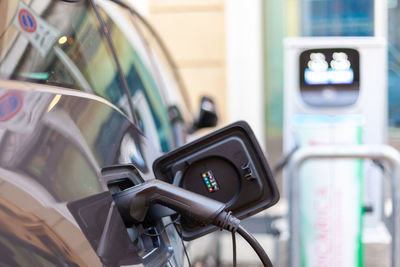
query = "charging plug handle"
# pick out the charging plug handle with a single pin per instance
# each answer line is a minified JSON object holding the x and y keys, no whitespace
{"x":133,"y":203}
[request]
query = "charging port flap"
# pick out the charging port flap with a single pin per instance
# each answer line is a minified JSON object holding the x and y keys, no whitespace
{"x":227,"y":165}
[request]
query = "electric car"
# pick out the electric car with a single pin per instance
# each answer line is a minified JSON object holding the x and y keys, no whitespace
{"x":83,"y":85}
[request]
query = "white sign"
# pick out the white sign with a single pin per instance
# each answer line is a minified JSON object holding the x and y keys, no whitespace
{"x":39,"y":33}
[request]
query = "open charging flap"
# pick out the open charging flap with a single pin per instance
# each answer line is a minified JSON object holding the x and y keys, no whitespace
{"x":227,"y":165}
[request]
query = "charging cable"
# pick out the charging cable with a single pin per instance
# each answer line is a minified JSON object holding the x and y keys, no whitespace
{"x":134,"y":202}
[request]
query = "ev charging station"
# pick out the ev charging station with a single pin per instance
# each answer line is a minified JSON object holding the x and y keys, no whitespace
{"x":335,"y":93}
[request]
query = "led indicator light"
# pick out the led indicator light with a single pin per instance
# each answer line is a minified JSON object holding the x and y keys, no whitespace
{"x":210,"y":181}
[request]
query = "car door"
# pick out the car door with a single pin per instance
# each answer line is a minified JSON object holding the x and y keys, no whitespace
{"x":55,"y":204}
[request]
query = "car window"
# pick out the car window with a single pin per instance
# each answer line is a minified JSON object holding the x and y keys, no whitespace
{"x":146,"y":91}
{"x":58,"y":43}
{"x":174,"y":86}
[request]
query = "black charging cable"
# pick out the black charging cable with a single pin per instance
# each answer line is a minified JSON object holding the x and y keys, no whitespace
{"x":174,"y":222}
{"x":234,"y":258}
{"x":225,"y":220}
{"x":185,"y":251}
{"x":255,"y":245}
{"x":179,"y":231}
{"x":133,"y":204}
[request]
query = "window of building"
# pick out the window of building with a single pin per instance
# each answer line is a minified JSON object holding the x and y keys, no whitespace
{"x":337,"y":17}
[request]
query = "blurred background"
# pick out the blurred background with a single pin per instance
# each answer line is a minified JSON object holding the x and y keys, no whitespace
{"x":233,"y":51}
{"x":245,"y":56}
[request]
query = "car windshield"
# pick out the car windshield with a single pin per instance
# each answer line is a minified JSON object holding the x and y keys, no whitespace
{"x":62,"y":43}
{"x":57,"y":43}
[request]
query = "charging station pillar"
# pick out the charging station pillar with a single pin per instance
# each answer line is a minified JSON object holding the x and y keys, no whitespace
{"x":335,"y":93}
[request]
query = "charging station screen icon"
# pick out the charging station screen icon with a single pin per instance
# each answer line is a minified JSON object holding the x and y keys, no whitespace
{"x":209,"y":181}
{"x":337,"y":71}
{"x":335,"y":67}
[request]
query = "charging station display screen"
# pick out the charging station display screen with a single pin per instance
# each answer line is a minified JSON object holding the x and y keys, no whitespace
{"x":329,"y":77}
{"x":319,"y":72}
{"x":338,"y":67}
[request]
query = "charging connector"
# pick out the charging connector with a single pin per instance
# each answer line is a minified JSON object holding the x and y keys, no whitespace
{"x":133,"y":204}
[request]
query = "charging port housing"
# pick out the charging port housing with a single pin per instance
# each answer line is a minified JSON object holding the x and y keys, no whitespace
{"x":227,"y":165}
